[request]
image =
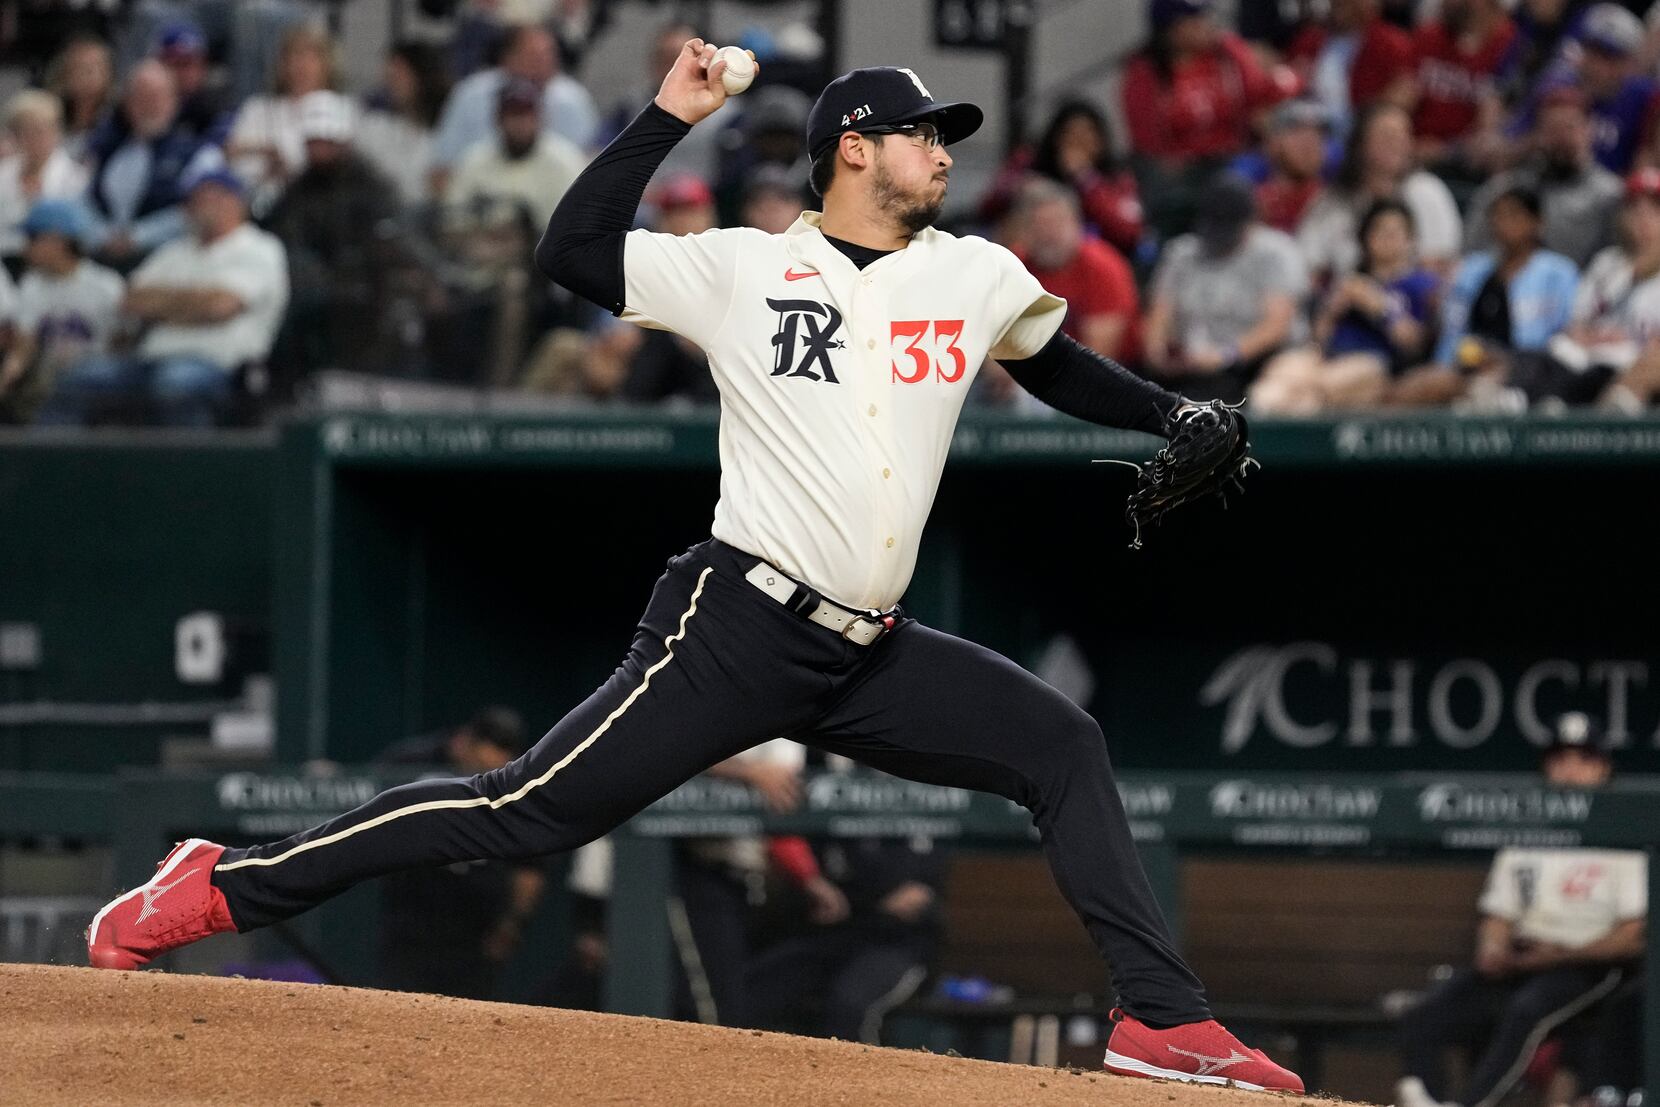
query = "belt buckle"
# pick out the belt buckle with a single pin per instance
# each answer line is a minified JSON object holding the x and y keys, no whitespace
{"x":885,"y":620}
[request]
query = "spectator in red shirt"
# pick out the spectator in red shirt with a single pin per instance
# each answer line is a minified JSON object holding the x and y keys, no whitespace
{"x":1193,"y":90}
{"x":1093,"y":278}
{"x":1355,"y":59}
{"x":1191,"y":97}
{"x":1461,"y":60}
{"x":1297,"y":153}
{"x":1076,"y":151}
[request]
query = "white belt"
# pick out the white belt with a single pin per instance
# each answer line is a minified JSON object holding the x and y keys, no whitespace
{"x":860,"y":629}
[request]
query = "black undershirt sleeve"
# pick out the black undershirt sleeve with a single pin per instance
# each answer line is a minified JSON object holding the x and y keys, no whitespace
{"x":1075,"y":380}
{"x":582,"y":248}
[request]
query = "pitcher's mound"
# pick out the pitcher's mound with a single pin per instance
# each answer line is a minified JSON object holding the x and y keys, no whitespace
{"x":82,"y":1037}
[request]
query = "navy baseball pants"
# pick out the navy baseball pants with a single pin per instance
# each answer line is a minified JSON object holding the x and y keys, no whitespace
{"x":716,"y":666}
{"x":1504,"y":1020}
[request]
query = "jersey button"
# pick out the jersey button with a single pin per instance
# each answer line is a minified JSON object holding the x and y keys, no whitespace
{"x":870,"y":343}
{"x":886,"y":473}
{"x":890,"y":543}
{"x":871,"y":410}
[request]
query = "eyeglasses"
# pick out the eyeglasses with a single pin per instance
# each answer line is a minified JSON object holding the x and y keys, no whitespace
{"x":925,"y":133}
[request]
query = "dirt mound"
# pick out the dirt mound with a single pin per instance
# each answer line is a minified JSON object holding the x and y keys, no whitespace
{"x":77,"y":1036}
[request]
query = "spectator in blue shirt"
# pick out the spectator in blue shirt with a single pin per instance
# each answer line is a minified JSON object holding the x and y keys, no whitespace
{"x":140,"y":159}
{"x":1603,"y":61}
{"x":1622,"y":98}
{"x":1373,"y":324}
{"x":1513,"y":297}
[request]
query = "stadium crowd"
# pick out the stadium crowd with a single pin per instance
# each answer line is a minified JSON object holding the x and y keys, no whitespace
{"x":1331,"y":205}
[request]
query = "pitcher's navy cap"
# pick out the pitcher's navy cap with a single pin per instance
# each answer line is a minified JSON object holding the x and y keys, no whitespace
{"x":883,"y":96}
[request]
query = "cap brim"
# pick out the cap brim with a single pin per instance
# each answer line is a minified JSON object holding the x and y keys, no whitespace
{"x":955,"y":121}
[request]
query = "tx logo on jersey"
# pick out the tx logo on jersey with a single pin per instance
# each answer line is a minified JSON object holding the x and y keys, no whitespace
{"x":806,"y":335}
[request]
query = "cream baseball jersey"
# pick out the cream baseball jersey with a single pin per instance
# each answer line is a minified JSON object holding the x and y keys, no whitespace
{"x":1568,"y":896}
{"x":840,"y":388}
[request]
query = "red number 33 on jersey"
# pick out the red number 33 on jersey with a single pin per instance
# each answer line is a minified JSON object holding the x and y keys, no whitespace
{"x":921,"y":346}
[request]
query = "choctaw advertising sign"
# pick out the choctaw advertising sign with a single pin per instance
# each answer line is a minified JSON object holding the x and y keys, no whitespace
{"x":1309,"y":704}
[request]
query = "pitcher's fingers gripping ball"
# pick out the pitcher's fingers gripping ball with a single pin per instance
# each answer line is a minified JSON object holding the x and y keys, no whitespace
{"x":738,"y":70}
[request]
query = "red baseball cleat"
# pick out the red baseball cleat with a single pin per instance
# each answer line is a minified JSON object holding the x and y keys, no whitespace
{"x":1201,"y":1052}
{"x":177,"y":907}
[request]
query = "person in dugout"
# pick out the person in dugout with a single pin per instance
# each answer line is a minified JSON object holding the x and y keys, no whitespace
{"x":1561,"y":932}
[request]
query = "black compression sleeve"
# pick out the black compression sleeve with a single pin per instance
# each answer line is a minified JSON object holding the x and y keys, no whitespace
{"x":1076,"y":380}
{"x":582,"y":248}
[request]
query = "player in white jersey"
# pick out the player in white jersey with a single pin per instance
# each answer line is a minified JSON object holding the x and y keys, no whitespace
{"x":843,"y":350}
{"x":1561,"y":930}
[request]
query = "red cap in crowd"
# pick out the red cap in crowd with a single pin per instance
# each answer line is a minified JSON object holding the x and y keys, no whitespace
{"x":684,"y":191}
{"x":1643,"y":182}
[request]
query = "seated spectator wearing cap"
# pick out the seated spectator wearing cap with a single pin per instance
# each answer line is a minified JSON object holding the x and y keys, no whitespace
{"x":1462,"y":58}
{"x":1355,"y":59}
{"x":521,"y":166}
{"x":1102,"y":306}
{"x":1515,"y":296}
{"x":140,"y":160}
{"x":205,"y":104}
{"x":340,"y":224}
{"x":1225,"y":298}
{"x":1372,"y":324}
{"x":1604,"y":63}
{"x":1560,"y":930}
{"x":41,"y":169}
{"x":505,"y":188}
{"x":396,"y":129}
{"x":266,"y":147}
{"x":209,"y":303}
{"x":1378,"y":165}
{"x":1296,"y":151}
{"x":67,"y":308}
{"x":1076,"y":151}
{"x":528,"y":53}
{"x":1622,"y":99}
{"x":1190,"y":98}
{"x":1581,"y":199}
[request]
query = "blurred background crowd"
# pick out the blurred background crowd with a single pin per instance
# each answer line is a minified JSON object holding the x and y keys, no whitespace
{"x":1321,"y":205}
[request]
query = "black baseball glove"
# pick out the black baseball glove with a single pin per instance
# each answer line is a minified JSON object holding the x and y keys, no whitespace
{"x":1209,"y":452}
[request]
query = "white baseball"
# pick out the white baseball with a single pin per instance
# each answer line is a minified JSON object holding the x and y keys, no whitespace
{"x":740,"y":68}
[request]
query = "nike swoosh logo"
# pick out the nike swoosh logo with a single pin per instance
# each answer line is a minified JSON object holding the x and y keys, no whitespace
{"x":153,"y":894}
{"x":792,"y":275}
